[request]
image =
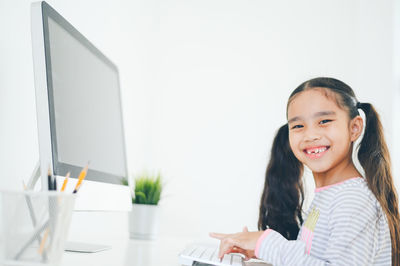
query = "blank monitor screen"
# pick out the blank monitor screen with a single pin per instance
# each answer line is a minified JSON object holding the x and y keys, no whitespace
{"x":84,"y":104}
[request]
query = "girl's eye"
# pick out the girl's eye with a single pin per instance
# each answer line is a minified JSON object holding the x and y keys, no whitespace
{"x":297,"y":126}
{"x":325,"y":121}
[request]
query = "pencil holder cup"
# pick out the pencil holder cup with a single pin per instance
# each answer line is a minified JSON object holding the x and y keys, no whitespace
{"x":34,"y":226}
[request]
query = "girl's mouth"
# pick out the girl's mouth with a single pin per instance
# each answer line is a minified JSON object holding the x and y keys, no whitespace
{"x":316,"y":152}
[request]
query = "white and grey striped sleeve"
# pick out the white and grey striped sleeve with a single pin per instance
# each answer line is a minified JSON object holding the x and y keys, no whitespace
{"x":277,"y":250}
{"x":352,"y":233}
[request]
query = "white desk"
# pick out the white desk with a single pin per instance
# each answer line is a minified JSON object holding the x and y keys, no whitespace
{"x":162,"y":252}
{"x":85,"y":227}
{"x":127,"y":252}
{"x":111,"y":228}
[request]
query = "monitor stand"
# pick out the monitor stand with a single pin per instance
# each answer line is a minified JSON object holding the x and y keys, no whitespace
{"x":84,"y":247}
{"x":69,"y":246}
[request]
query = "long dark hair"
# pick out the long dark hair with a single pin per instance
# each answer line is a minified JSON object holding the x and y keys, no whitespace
{"x":282,"y":198}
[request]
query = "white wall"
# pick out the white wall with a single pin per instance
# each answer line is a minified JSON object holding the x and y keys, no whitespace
{"x":226,"y":71}
{"x":205,"y":85}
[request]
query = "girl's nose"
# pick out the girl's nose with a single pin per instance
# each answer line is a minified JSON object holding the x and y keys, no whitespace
{"x":311,"y":135}
{"x":312,"y":138}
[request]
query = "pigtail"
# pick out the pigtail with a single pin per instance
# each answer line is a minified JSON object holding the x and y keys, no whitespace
{"x":282,"y":198}
{"x":374,"y":157}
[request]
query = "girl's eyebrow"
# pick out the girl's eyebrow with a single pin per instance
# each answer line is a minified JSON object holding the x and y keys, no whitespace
{"x":317,"y":114}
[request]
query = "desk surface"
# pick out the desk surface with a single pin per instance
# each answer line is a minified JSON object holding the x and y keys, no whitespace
{"x":111,"y":229}
{"x":163,"y":251}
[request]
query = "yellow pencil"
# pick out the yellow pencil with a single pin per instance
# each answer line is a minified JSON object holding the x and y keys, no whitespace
{"x":65,"y":181}
{"x":82,"y":176}
{"x":41,"y":247}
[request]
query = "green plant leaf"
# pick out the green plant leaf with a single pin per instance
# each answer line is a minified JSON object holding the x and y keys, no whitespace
{"x":148,"y":189}
{"x":140,"y":197}
{"x":124,"y":181}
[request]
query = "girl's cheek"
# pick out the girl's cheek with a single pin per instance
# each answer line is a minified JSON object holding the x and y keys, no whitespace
{"x":291,"y":144}
{"x":294,"y":141}
{"x":294,"y":146}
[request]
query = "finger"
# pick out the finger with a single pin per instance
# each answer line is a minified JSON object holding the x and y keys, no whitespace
{"x":218,"y":235}
{"x":245,"y":229}
{"x":238,"y":250}
{"x":241,"y":251}
{"x":226,"y":246}
{"x":235,"y":249}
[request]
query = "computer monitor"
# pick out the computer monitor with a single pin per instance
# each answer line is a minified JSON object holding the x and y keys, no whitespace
{"x":79,"y":112}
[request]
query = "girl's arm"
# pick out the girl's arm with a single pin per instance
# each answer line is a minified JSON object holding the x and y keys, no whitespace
{"x":277,"y":250}
{"x":271,"y":244}
{"x":357,"y":236}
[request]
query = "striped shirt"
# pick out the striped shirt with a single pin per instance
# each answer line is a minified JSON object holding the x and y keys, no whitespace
{"x":345,"y":225}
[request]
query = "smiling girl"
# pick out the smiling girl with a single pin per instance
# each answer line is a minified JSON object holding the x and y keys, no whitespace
{"x":353,"y":219}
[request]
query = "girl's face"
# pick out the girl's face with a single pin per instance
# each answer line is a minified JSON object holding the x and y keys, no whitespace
{"x":320,"y":132}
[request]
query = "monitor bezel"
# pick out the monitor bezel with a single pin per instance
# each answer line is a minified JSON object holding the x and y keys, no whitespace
{"x":44,"y":94}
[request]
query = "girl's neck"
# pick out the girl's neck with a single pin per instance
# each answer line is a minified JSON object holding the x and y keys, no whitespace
{"x":341,"y":172}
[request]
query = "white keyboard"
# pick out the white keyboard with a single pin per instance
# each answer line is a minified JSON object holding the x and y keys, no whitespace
{"x":209,"y":255}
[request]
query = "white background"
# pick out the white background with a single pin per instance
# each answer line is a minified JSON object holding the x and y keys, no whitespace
{"x":204,"y":86}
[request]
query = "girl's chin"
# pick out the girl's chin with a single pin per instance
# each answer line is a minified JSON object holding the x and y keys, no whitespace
{"x":317,"y":169}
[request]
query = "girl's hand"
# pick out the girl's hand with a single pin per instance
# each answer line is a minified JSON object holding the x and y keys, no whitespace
{"x":244,"y":243}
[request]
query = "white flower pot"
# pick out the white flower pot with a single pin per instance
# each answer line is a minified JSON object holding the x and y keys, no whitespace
{"x":143,"y":221}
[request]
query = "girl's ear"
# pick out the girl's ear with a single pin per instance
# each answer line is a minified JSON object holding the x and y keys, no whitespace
{"x":356,"y":127}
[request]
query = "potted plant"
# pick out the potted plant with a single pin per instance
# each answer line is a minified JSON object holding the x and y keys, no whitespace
{"x":144,"y":216}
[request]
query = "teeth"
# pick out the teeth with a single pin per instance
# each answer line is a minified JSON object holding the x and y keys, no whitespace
{"x":314,"y":151}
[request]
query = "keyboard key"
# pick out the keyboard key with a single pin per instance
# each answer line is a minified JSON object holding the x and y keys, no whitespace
{"x":209,"y":255}
{"x":227,"y":259}
{"x":237,"y":260}
{"x":198,"y":252}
